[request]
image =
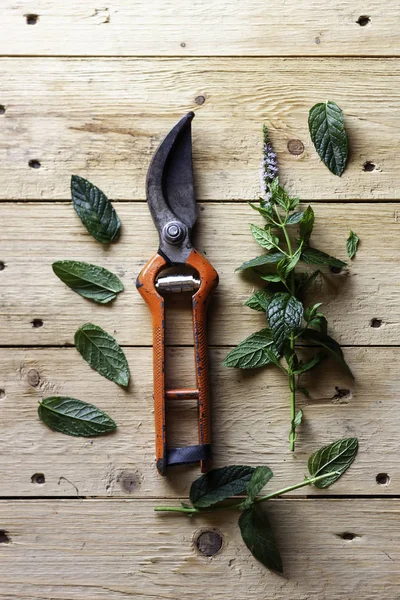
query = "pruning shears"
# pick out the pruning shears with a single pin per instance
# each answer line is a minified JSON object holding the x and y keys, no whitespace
{"x":172,"y":204}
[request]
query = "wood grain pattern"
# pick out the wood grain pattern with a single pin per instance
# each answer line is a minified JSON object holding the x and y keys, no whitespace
{"x":103,"y":118}
{"x":250,"y":422}
{"x":30,"y":290}
{"x":206,"y":28}
{"x":69,"y":550}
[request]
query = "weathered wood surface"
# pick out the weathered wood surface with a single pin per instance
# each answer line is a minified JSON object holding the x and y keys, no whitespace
{"x":34,"y":235}
{"x":250,"y":423}
{"x":103,"y":118}
{"x":71,"y":550}
{"x":202,"y":28}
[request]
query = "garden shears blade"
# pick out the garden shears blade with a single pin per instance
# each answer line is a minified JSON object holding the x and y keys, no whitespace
{"x":171,"y":200}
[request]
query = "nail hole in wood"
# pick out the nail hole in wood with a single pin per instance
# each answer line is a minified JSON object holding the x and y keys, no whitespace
{"x":130,"y":482}
{"x":376,"y":323}
{"x":4,"y":537}
{"x":209,"y":542}
{"x":2,"y":265}
{"x":34,"y":164}
{"x":2,"y":109}
{"x":183,"y":45}
{"x":363,"y":20}
{"x":347,"y":536}
{"x":2,"y":394}
{"x":295,"y":147}
{"x":383,"y":479}
{"x":335,"y":270}
{"x":37,"y":323}
{"x":38,"y":479}
{"x":33,"y":378}
{"x":369,"y":166}
{"x":32,"y":19}
{"x":200,"y":100}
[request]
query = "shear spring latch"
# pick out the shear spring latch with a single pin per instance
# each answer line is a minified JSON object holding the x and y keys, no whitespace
{"x":170,"y":196}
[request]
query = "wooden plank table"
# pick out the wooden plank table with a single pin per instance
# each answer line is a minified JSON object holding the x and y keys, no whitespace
{"x":91,"y":90}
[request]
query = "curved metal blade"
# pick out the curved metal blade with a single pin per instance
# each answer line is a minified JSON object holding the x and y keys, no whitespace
{"x":169,"y":186}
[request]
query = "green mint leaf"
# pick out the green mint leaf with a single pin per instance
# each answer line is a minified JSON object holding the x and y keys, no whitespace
{"x":272,"y":278}
{"x":306,"y":279}
{"x":304,"y":391}
{"x":258,"y":480}
{"x":298,"y":418}
{"x":219,"y":484}
{"x":307,"y":225}
{"x":259,"y":261}
{"x":74,"y":417}
{"x":264,"y":237}
{"x":335,"y":457}
{"x":259,"y":300}
{"x":294,"y":218}
{"x":312,"y":256}
{"x":102,"y":353}
{"x":89,"y":281}
{"x":310,"y":364}
{"x":329,"y":344}
{"x":286,"y":265}
{"x":325,"y":122}
{"x":249,"y":353}
{"x":320,"y":323}
{"x":284,"y":315}
{"x":265,"y":210}
{"x":311,"y":311}
{"x":258,"y":536}
{"x":95,"y":210}
{"x":352,"y":243}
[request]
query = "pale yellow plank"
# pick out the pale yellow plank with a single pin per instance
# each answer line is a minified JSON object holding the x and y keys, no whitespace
{"x":206,"y":28}
{"x":35,"y":235}
{"x":250,"y":423}
{"x":103,"y":119}
{"x":75,"y":550}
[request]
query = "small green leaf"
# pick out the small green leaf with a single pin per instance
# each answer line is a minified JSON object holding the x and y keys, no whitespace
{"x":310,"y":364}
{"x":89,"y":281}
{"x":325,"y":122}
{"x":266,"y":211}
{"x":352,"y":243}
{"x":102,"y":353}
{"x":74,"y":417}
{"x":259,"y":300}
{"x":294,"y":218}
{"x":319,"y":322}
{"x":307,"y":225}
{"x":264,"y":237}
{"x":311,"y":311}
{"x":286,"y":265}
{"x":304,"y":391}
{"x":312,"y":256}
{"x":284,"y":315}
{"x":249,"y":353}
{"x":259,"y":261}
{"x":305,"y":279}
{"x":219,"y":484}
{"x":273,"y":278}
{"x":327,"y":342}
{"x":258,"y":536}
{"x":335,"y":457}
{"x":298,"y":418}
{"x":95,"y":210}
{"x":259,"y":479}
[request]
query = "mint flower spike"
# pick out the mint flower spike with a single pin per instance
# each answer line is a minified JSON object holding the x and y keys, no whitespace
{"x":268,"y":168}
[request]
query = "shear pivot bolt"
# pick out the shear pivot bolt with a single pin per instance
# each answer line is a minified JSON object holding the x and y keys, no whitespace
{"x":174,"y":232}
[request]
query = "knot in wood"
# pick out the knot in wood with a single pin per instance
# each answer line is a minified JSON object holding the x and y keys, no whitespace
{"x":209,"y":542}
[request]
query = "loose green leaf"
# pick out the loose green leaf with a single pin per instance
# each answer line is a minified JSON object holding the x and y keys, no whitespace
{"x":352,"y":243}
{"x":74,"y":417}
{"x":259,"y":479}
{"x":259,"y":261}
{"x":310,"y":364}
{"x":264,"y":237}
{"x":272,"y":278}
{"x":312,"y":256}
{"x":102,"y":353}
{"x":325,"y":122}
{"x":294,"y":218}
{"x":307,"y":225}
{"x":219,"y":484}
{"x":284,"y":315}
{"x":249,"y":353}
{"x":298,"y":418}
{"x":259,"y":300}
{"x":89,"y":281}
{"x":327,"y":342}
{"x":257,"y":535}
{"x":335,"y":457}
{"x":95,"y":210}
